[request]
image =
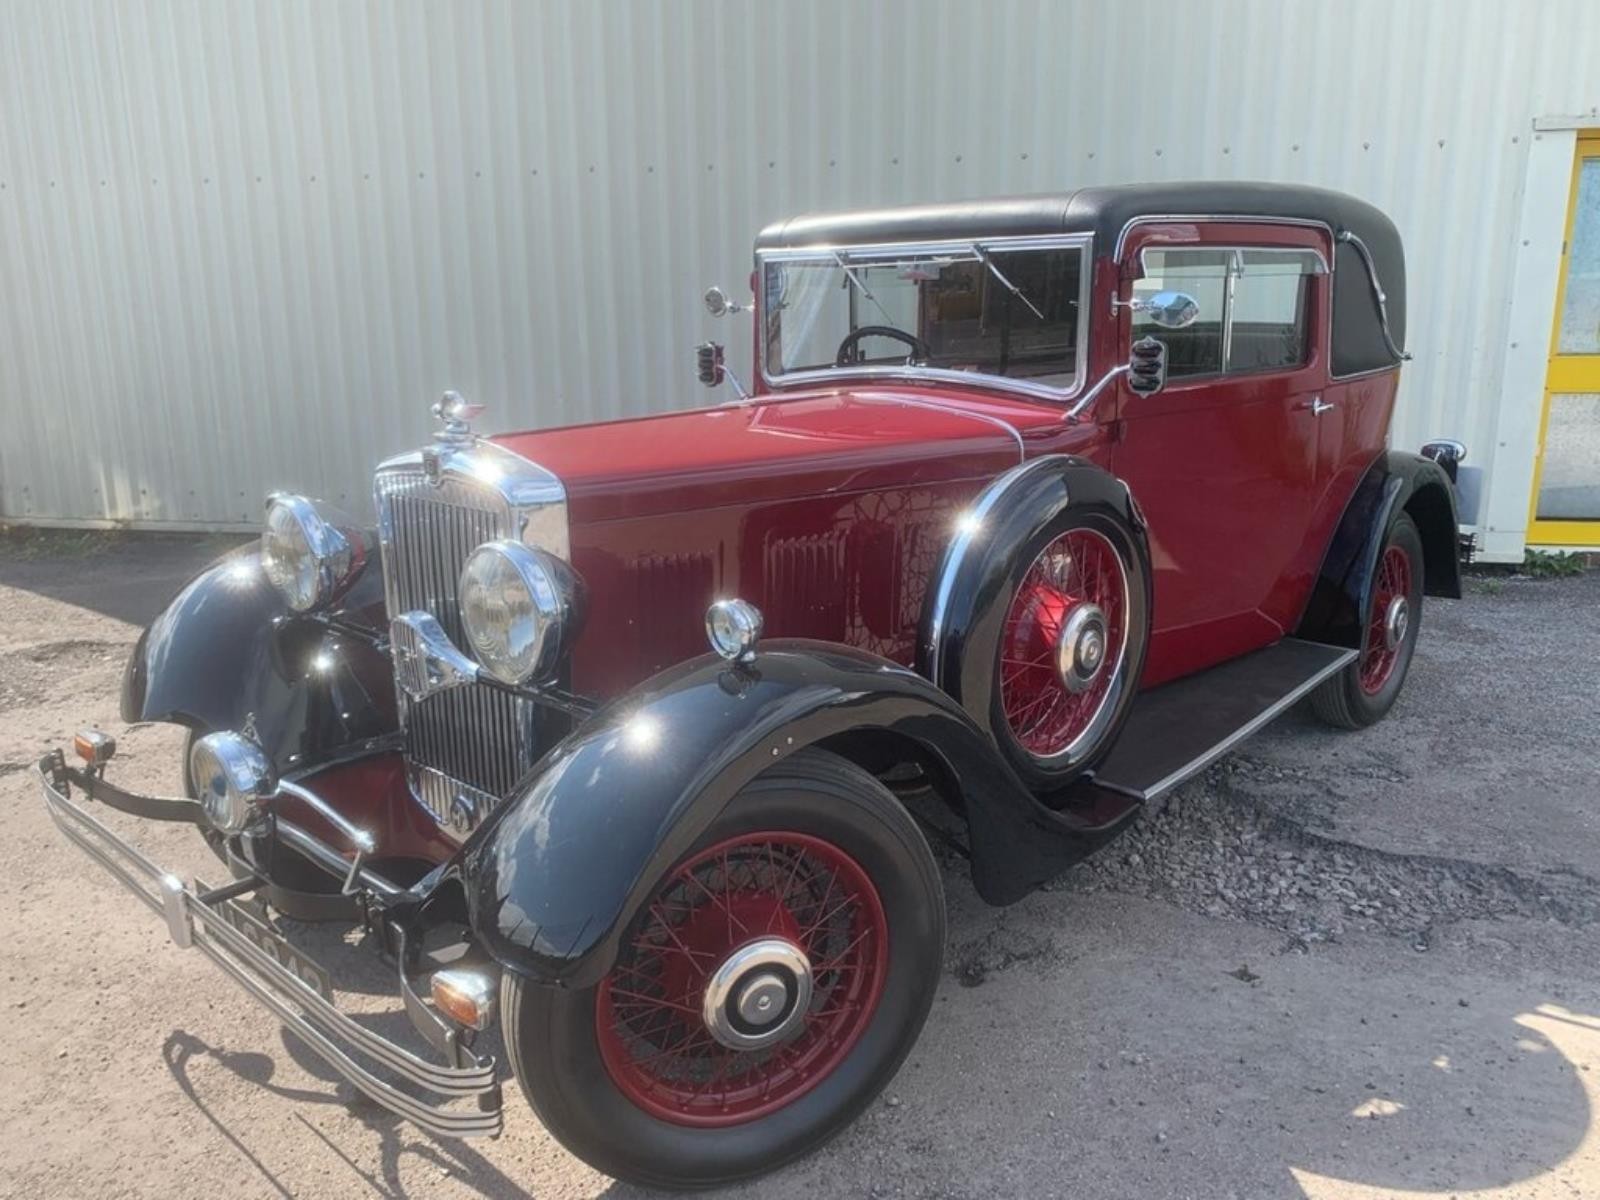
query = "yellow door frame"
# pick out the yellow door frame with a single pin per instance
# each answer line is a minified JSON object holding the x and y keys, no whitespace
{"x":1564,"y":374}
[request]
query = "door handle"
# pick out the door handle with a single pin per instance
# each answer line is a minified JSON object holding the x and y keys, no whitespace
{"x":1316,"y":405}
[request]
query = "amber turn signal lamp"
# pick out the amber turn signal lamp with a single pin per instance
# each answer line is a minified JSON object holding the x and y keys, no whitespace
{"x":94,"y":747}
{"x":466,"y":997}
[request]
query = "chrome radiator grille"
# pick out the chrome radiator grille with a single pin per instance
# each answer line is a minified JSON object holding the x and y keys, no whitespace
{"x":477,"y":737}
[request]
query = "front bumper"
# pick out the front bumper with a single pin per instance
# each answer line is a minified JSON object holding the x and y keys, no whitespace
{"x":469,"y":1090}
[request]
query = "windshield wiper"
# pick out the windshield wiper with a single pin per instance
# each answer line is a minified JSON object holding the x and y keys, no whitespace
{"x":862,"y":287}
{"x":983,"y":257}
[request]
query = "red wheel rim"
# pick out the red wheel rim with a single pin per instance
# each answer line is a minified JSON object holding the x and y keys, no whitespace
{"x":652,"y":1036}
{"x":1078,"y":569}
{"x":1393,"y":583}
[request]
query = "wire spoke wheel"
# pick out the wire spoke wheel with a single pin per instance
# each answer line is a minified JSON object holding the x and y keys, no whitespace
{"x":1389,"y":620}
{"x":792,"y":1017}
{"x":1063,"y":643}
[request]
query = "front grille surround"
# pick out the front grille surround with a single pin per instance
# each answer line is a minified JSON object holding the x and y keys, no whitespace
{"x":466,"y":747}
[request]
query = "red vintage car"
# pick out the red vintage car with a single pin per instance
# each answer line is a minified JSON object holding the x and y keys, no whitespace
{"x":1034,"y":507}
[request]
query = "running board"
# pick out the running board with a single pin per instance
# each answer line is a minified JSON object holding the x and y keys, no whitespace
{"x":1178,"y":730}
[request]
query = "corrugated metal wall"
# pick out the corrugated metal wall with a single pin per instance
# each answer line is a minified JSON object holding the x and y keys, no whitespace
{"x":243,"y":245}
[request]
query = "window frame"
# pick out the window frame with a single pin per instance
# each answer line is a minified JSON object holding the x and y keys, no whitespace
{"x":1082,"y":242}
{"x":1232,"y":274}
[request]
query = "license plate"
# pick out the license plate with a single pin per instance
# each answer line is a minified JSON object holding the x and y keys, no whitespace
{"x":253,"y":926}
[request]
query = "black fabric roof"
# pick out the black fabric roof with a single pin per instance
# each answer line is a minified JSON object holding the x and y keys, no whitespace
{"x":1105,"y":212}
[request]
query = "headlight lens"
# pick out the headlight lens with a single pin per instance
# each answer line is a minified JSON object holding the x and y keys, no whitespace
{"x":305,"y":557}
{"x":230,"y":774}
{"x":517,"y":608}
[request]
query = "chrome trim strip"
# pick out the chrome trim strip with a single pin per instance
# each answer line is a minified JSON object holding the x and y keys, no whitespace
{"x":1218,"y":247}
{"x":786,"y":379}
{"x":937,"y":406}
{"x":284,"y":994}
{"x":1378,"y":294}
{"x":1159,"y":218}
{"x":1215,"y":752}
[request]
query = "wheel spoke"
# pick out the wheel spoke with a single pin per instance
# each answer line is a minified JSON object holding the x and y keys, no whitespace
{"x":654,"y":1039}
{"x":1079,"y":567}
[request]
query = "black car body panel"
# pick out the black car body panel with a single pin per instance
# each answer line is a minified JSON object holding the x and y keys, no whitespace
{"x":549,"y":877}
{"x":227,"y":653}
{"x":1396,"y":482}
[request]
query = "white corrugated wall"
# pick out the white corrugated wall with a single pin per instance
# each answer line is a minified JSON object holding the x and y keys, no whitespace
{"x":243,"y":245}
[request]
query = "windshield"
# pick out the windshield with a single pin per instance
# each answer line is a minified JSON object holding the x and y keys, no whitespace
{"x":978,"y":309}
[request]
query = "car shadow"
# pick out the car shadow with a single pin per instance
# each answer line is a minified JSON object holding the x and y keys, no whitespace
{"x":72,"y":566}
{"x":396,"y":1140}
{"x":1098,"y":1043}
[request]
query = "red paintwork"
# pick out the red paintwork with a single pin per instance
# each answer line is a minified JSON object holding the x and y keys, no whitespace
{"x":829,"y":508}
{"x":1226,"y":471}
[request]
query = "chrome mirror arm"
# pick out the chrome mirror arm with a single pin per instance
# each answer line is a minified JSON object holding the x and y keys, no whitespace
{"x":739,"y":390}
{"x":1100,"y":385}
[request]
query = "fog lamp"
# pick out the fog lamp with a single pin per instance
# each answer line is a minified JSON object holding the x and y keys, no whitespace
{"x":465,"y":996}
{"x":230,"y":776}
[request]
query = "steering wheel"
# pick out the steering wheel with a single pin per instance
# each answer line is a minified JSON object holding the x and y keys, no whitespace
{"x":849,"y":349}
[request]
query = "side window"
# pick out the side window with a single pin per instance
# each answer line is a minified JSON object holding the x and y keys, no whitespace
{"x":1270,"y":324}
{"x":1195,"y":349}
{"x":1254,"y":310}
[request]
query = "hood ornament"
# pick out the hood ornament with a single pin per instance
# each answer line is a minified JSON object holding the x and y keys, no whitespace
{"x":456,"y":412}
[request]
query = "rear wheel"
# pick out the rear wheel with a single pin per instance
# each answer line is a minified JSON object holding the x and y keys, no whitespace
{"x":1367,"y":689}
{"x":767,"y":990}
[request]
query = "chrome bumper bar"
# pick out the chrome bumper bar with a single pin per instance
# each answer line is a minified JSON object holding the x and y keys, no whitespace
{"x":194,"y":924}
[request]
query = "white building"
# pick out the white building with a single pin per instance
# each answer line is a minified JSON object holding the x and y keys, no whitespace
{"x":244,"y":245}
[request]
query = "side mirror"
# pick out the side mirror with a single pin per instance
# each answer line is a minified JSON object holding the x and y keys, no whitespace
{"x":1147,"y":366}
{"x":1170,"y":310}
{"x":718,"y":304}
{"x":708,"y":362}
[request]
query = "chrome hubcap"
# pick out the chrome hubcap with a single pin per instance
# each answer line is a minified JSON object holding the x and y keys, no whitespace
{"x":1081,"y":648}
{"x":1395,"y":619}
{"x":759,"y":995}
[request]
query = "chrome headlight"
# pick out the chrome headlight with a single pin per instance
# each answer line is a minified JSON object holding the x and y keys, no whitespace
{"x":230,"y":775}
{"x":305,"y":557}
{"x":519,"y":608}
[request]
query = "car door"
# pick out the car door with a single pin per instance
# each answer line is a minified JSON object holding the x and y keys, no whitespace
{"x":1223,"y":460}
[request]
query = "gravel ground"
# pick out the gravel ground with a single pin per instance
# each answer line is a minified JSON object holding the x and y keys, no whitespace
{"x":1333,"y":966}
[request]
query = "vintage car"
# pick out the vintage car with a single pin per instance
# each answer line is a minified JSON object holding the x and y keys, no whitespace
{"x":1034,"y":507}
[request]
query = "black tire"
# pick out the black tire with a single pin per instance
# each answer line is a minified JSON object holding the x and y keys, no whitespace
{"x":1048,"y":773}
{"x":551,"y":1033}
{"x":1341,"y":700}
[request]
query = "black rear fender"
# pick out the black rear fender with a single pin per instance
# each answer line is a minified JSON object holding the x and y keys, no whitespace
{"x":552,"y":878}
{"x":1397,"y":482}
{"x":227,"y":653}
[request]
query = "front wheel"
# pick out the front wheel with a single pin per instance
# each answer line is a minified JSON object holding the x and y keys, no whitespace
{"x":1365,"y":690}
{"x":767,"y":990}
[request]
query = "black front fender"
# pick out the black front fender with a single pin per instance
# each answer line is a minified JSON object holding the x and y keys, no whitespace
{"x":552,"y":878}
{"x":227,"y":653}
